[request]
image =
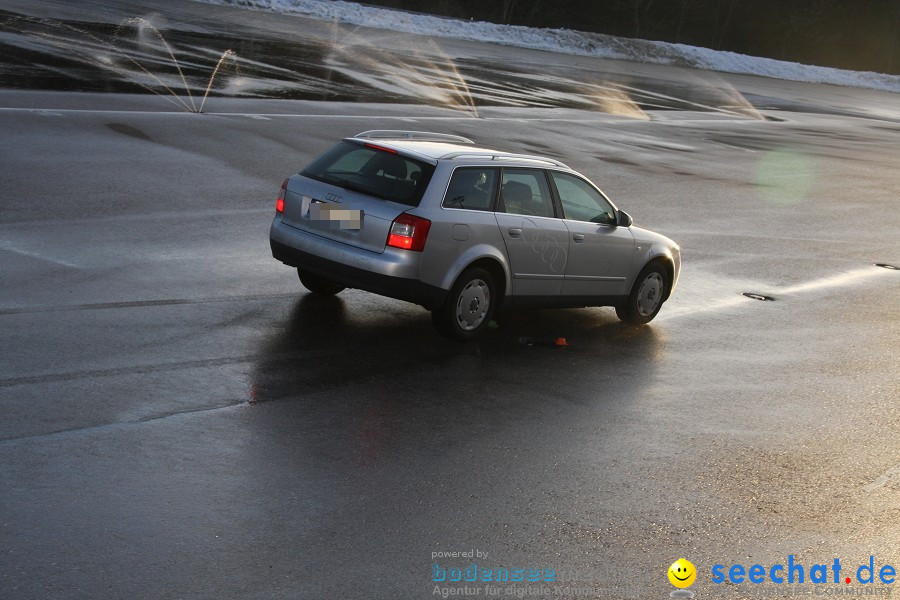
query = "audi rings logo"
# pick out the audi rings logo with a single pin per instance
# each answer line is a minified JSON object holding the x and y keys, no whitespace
{"x":552,"y":253}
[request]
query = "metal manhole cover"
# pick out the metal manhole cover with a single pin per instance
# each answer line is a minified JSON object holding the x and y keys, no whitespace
{"x":758,"y":296}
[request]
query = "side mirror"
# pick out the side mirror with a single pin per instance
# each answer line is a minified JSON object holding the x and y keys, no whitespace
{"x":623,"y":219}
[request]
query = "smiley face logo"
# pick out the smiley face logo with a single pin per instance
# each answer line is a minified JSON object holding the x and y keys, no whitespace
{"x":682,"y":573}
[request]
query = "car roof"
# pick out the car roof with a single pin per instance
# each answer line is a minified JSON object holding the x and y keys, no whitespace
{"x":433,"y":147}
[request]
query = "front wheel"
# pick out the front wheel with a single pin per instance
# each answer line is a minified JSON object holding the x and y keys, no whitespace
{"x":317,"y":285}
{"x":646,"y":297}
{"x":469,"y":306}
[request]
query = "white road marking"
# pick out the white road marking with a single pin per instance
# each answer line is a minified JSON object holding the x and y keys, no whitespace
{"x":10,"y":248}
{"x":605,"y":118}
{"x":101,"y":111}
{"x":175,"y":215}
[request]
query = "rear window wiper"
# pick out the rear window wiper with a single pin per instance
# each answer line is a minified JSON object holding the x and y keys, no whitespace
{"x":349,"y":185}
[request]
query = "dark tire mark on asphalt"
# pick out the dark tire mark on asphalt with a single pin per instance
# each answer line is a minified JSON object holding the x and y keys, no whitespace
{"x":142,"y":303}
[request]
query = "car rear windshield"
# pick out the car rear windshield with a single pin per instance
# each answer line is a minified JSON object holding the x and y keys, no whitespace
{"x":372,"y":170}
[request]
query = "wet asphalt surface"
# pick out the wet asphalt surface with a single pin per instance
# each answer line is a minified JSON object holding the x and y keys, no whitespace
{"x":182,"y":420}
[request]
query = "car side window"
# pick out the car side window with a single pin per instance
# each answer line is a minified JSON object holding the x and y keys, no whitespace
{"x":525,"y":192}
{"x":471,"y":188}
{"x":581,"y":202}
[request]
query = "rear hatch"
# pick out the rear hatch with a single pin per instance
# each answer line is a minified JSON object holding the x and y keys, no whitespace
{"x":353,"y":192}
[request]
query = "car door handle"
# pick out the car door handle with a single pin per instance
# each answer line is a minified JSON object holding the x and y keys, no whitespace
{"x":514,"y":232}
{"x":578,"y":237}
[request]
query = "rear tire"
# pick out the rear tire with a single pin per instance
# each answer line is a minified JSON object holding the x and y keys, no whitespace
{"x":317,"y":285}
{"x":646,"y":297}
{"x":469,"y":306}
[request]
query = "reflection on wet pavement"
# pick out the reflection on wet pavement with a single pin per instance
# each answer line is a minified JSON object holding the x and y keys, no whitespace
{"x":322,"y":344}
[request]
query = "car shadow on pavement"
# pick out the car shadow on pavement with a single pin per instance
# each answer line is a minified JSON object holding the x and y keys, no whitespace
{"x":332,"y":342}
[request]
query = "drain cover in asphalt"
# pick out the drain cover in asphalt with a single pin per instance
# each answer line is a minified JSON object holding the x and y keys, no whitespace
{"x":758,"y":296}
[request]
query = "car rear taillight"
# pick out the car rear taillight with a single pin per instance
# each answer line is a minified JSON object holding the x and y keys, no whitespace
{"x":408,"y":232}
{"x":279,"y":203}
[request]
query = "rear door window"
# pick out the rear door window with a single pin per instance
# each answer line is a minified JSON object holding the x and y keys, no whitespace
{"x":371,"y":170}
{"x":525,"y":192}
{"x":471,"y":188}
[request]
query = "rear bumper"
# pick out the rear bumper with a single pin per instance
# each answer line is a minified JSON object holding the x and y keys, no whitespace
{"x":329,"y":260}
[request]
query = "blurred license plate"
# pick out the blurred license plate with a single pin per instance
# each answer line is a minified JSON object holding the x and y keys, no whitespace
{"x":343,"y":218}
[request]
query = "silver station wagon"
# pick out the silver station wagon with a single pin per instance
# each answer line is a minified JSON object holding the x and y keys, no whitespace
{"x":465,"y":231}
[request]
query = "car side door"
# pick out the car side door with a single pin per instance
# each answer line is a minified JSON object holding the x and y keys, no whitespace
{"x":600,"y":252}
{"x":535,"y":237}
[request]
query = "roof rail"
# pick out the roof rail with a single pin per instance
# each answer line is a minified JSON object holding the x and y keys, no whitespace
{"x":418,"y":136}
{"x":505,"y":156}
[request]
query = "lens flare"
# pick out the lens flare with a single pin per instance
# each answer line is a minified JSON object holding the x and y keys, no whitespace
{"x":784,"y":177}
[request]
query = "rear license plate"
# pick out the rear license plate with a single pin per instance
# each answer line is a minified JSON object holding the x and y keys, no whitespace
{"x":334,"y":214}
